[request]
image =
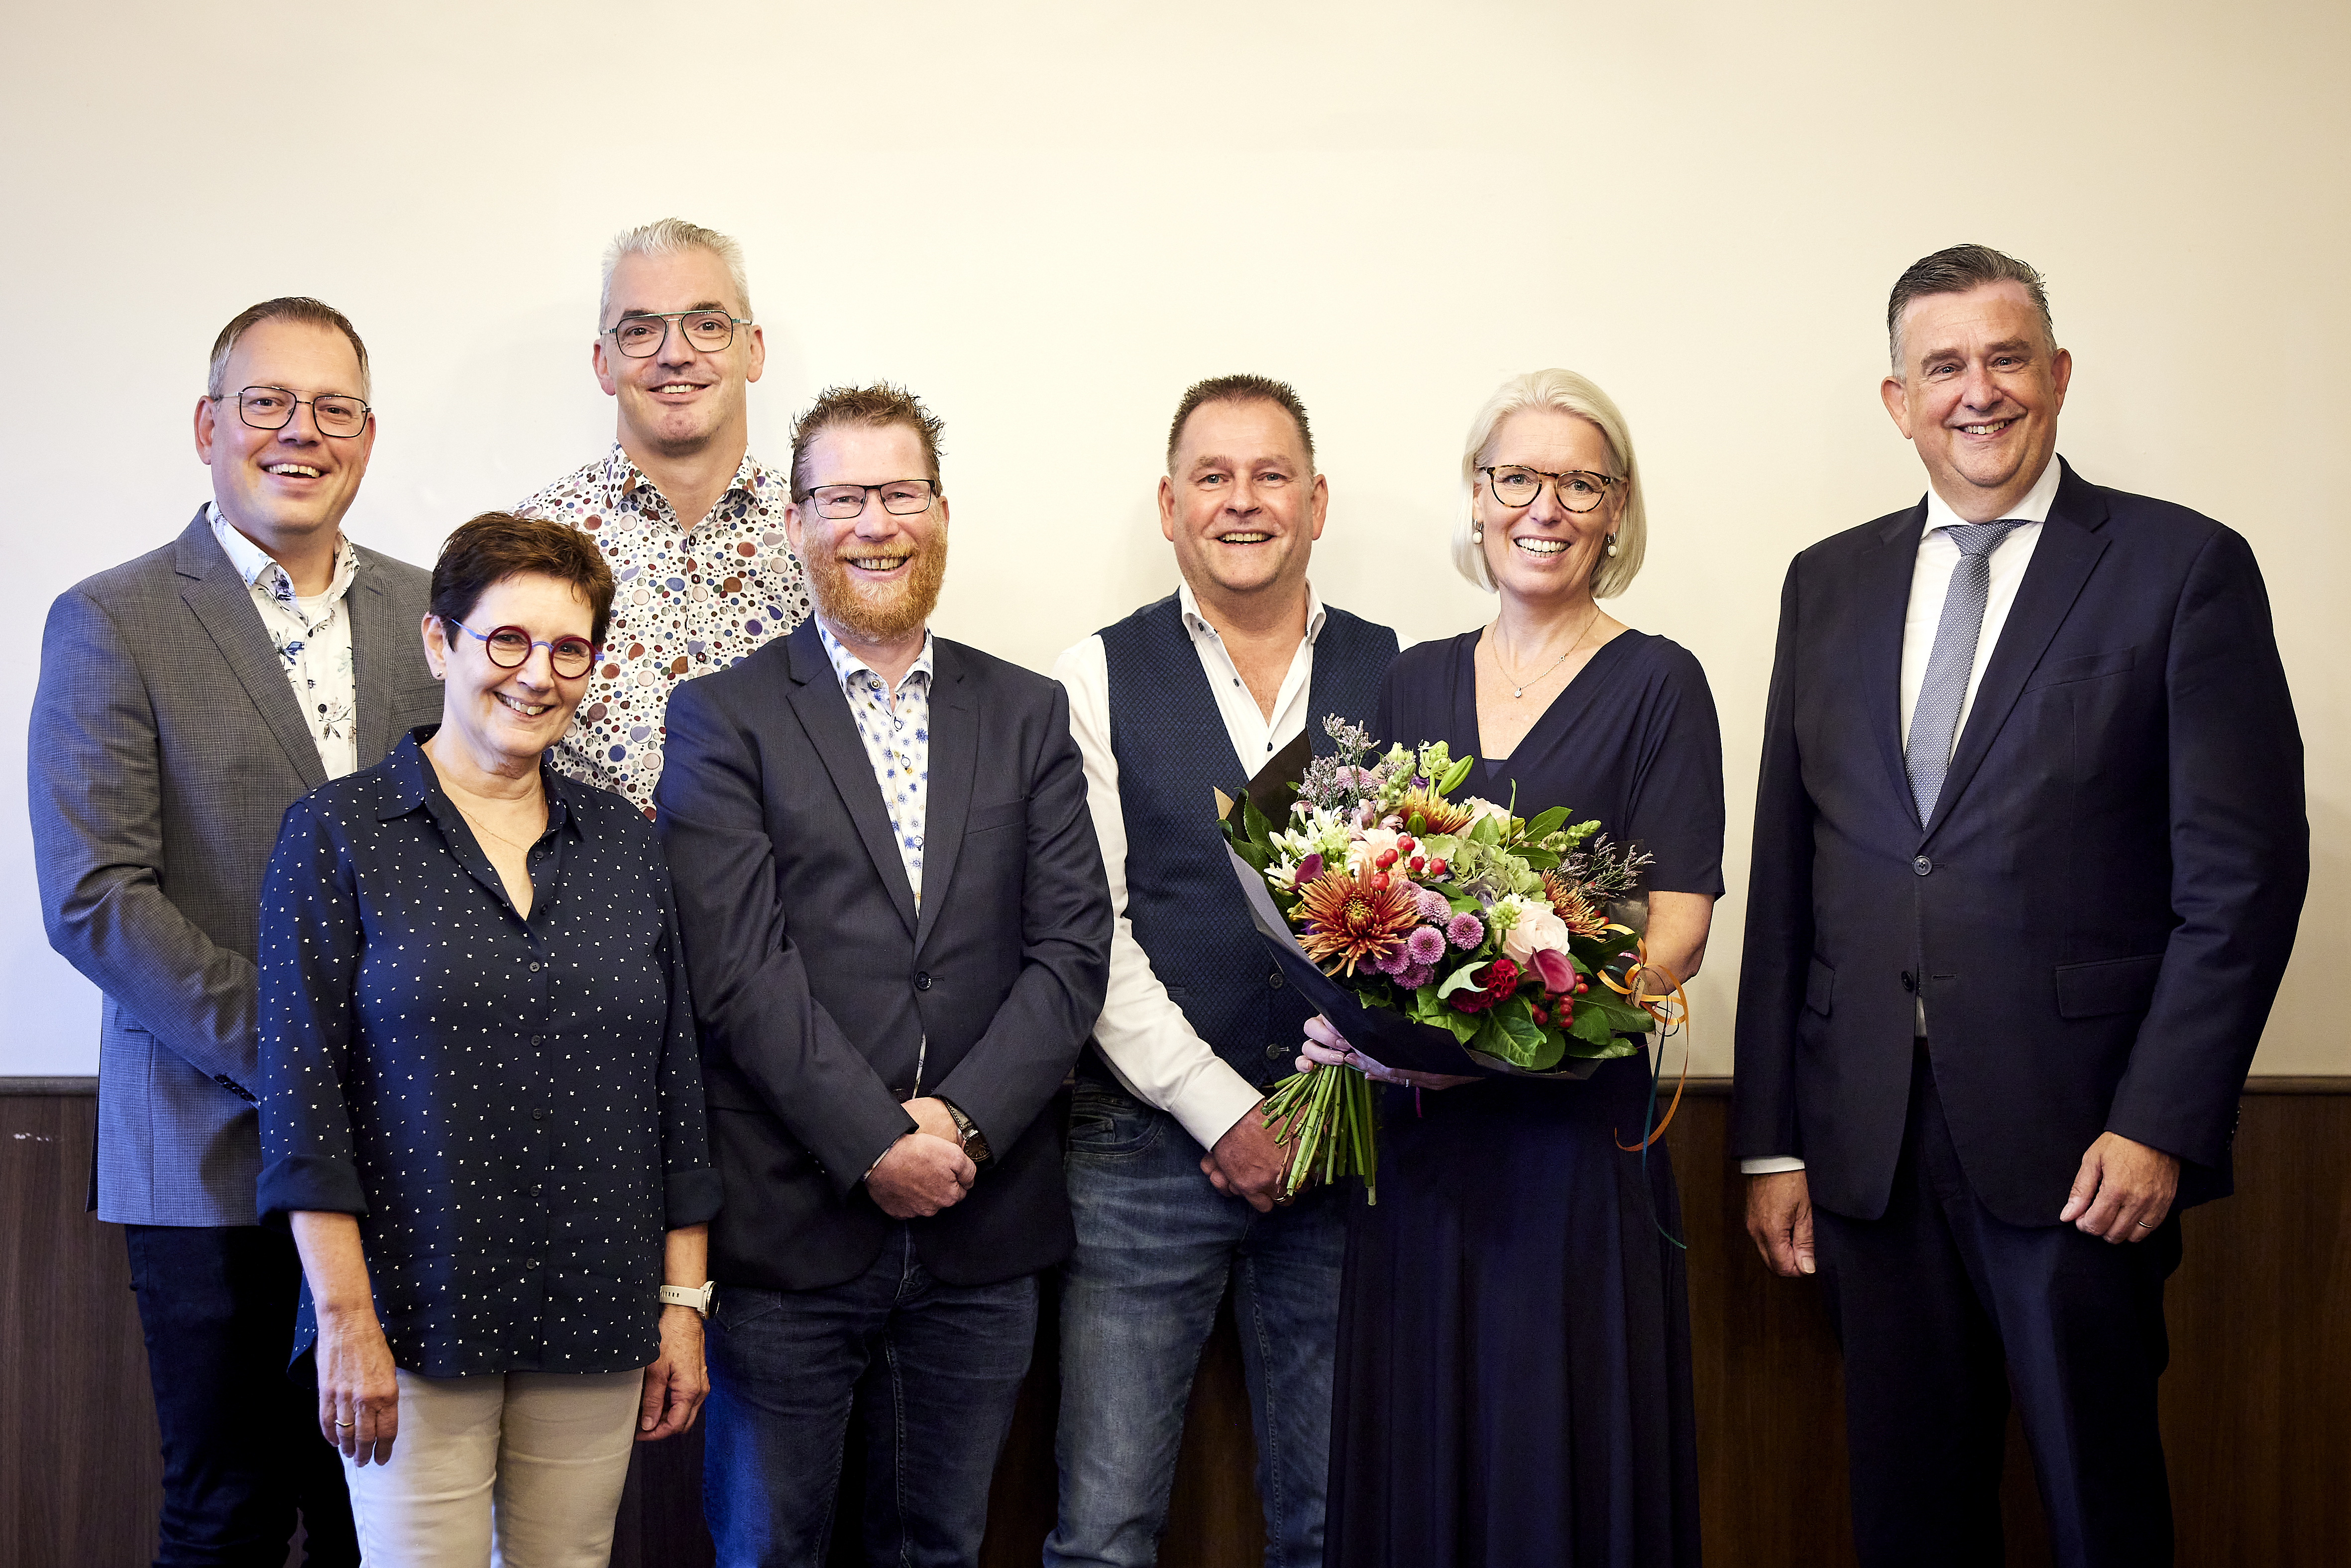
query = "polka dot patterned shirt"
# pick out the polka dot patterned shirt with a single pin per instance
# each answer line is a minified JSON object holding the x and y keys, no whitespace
{"x":896,"y":730}
{"x":512,"y":1107}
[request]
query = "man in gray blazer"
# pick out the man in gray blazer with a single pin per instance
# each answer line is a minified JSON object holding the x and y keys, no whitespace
{"x":186,"y":698}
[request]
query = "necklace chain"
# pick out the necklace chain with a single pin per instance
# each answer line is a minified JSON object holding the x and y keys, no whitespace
{"x":1519,"y":684}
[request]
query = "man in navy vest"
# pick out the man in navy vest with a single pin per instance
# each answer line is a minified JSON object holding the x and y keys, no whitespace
{"x":1172,"y":1177}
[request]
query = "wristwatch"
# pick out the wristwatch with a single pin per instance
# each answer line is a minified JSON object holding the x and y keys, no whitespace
{"x":975,"y":1146}
{"x":695,"y":1296}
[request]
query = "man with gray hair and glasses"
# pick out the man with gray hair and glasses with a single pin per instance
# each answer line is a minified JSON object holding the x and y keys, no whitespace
{"x":2030,"y":851}
{"x":690,"y":521}
{"x":187,"y":698}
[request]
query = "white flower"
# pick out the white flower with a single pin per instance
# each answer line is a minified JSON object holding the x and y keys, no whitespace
{"x":1478,"y":807}
{"x":1366,"y":851}
{"x":1534,"y":929}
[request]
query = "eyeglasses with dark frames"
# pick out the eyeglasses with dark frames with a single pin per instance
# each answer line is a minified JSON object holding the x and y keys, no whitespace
{"x":900,"y":497}
{"x":1577,"y":489}
{"x":509,"y":647}
{"x":641,"y":335}
{"x":272,"y":408}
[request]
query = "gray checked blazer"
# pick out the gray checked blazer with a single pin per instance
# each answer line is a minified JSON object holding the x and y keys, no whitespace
{"x":166,"y":744}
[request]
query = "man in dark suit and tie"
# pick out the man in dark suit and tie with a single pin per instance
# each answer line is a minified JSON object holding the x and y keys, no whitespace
{"x":2030,"y":851}
{"x":898,"y":934}
{"x":186,"y":698}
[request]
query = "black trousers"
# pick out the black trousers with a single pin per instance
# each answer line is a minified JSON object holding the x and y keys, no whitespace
{"x":1942,"y":1309}
{"x":241,"y":1445}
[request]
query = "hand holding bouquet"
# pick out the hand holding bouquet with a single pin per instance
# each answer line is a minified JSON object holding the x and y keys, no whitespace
{"x":1440,"y":935}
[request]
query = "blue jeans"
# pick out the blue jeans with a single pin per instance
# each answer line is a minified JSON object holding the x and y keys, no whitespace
{"x":1156,"y":1244}
{"x":935,"y":1369}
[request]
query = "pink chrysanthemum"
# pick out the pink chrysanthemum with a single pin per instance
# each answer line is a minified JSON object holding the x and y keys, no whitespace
{"x":1425,"y":945}
{"x":1433,"y":905}
{"x":1465,"y":930}
{"x":1393,"y":961}
{"x":1416,"y":976}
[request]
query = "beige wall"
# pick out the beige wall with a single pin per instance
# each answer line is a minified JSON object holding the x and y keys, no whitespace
{"x":1048,"y":220}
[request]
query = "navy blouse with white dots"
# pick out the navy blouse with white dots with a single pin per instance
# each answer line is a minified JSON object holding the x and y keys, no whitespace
{"x":512,"y":1107}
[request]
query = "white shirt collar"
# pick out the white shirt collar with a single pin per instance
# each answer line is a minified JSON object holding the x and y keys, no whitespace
{"x":260,"y":570}
{"x":1196,"y":623}
{"x":846,"y":664}
{"x":2032,"y":508}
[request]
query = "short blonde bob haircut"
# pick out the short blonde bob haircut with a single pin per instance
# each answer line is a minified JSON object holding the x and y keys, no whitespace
{"x":1569,"y":393}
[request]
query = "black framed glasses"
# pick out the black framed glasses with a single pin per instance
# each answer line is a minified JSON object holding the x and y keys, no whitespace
{"x":641,"y":337}
{"x":509,"y":647}
{"x":900,"y":497}
{"x":272,"y":408}
{"x":1577,"y":490}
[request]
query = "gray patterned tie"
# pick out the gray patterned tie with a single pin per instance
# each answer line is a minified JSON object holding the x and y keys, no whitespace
{"x":1934,"y":721}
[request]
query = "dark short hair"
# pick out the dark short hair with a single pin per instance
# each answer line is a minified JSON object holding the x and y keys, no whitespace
{"x":291,"y":307}
{"x":877,"y":405}
{"x":1240,"y":389}
{"x":1955,"y":270}
{"x":487,"y":549}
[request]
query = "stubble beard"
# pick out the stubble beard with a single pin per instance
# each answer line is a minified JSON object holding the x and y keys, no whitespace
{"x":884,"y":614}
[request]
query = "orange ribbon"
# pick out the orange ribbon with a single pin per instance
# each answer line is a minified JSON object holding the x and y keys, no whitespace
{"x":1670,"y":1008}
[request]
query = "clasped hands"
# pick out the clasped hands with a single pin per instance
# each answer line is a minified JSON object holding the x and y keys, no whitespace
{"x":2122,"y":1194}
{"x":925,"y":1170}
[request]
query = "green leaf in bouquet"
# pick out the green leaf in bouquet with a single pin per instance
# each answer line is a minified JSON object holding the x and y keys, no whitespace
{"x":1536,"y":860}
{"x":1462,"y":979}
{"x":1486,"y":831}
{"x":1614,"y":1011}
{"x":1591,"y":1025}
{"x":1546,"y":823}
{"x":1254,"y":826}
{"x":1539,"y":1049}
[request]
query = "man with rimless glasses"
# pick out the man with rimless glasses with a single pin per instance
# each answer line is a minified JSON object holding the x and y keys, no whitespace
{"x":691,"y":523}
{"x":186,"y":698}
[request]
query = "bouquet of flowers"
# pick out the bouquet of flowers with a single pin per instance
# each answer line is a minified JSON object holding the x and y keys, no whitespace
{"x":1438,"y":934}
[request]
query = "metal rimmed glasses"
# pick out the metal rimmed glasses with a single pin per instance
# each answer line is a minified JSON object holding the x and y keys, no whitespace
{"x":1577,"y":489}
{"x":900,"y":497}
{"x":641,"y":335}
{"x":509,"y":647}
{"x":272,"y":408}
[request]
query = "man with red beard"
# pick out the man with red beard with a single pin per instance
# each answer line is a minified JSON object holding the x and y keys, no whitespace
{"x":893,"y":966}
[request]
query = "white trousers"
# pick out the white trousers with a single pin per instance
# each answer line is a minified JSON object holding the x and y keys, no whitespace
{"x":522,"y":1470}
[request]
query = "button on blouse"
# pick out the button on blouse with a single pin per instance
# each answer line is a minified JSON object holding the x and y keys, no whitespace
{"x":512,"y":1107}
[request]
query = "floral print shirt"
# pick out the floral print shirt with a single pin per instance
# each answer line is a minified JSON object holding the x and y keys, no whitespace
{"x":313,"y":639}
{"x":896,"y":729}
{"x":687,"y":601}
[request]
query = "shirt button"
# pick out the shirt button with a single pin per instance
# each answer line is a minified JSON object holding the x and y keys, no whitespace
{"x":1922,"y":865}
{"x":534,"y":966}
{"x":1273,"y":1050}
{"x":922,"y":982}
{"x":539,"y":1114}
{"x":1274,"y":980}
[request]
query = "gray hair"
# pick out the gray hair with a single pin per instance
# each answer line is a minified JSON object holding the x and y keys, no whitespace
{"x":1569,"y":393}
{"x":667,"y":237}
{"x":1955,"y":270}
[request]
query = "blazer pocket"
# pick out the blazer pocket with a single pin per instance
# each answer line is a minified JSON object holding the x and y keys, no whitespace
{"x":2110,"y":985}
{"x":1004,"y":814}
{"x":1820,"y":988}
{"x":2088,"y":667}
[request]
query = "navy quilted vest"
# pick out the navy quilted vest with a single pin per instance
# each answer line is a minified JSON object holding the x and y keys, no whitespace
{"x":1173,"y":756}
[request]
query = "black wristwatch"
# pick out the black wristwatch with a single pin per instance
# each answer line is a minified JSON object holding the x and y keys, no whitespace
{"x":975,"y":1146}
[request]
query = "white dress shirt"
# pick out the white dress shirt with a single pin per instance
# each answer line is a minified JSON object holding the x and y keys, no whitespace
{"x":1930,"y":583}
{"x":1149,"y":1043}
{"x":313,"y":639}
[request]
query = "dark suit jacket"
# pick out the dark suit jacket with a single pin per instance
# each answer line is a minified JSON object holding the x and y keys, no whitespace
{"x":2099,"y":912}
{"x":821,"y":995}
{"x":165,"y":744}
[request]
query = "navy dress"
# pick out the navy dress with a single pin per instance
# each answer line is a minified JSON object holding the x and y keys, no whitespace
{"x":1513,"y":1376}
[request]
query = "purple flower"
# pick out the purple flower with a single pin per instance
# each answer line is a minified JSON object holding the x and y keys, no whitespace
{"x":1434,"y":907}
{"x":1309,"y":869}
{"x":1425,"y":945}
{"x":1393,"y":961}
{"x":1465,"y":930}
{"x":1416,"y":976}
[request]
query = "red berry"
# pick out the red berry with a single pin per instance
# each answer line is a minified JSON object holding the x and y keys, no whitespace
{"x":1403,"y":843}
{"x":1438,"y":868}
{"x":1387,"y":858}
{"x":1417,"y":865}
{"x":1379,"y":882}
{"x":1539,"y":1016}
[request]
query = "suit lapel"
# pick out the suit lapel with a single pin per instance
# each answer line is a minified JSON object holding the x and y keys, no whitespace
{"x":1884,"y":593}
{"x":954,"y":755}
{"x":2072,"y":540}
{"x":823,"y":709}
{"x":223,"y":606}
{"x":373,"y":638}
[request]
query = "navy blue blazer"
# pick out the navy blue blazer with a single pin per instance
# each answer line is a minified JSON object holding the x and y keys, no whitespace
{"x":823,"y":997}
{"x":2098,"y":915}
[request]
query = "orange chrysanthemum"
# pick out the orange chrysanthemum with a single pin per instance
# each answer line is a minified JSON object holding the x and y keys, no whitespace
{"x":1438,"y":814}
{"x":1567,"y":901}
{"x":1347,"y":921}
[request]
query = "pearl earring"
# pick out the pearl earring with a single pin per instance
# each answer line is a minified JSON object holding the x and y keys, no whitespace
{"x":1477,"y":532}
{"x":1612,"y":545}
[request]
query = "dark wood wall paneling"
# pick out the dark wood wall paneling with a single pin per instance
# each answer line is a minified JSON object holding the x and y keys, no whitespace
{"x":2256,"y":1407}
